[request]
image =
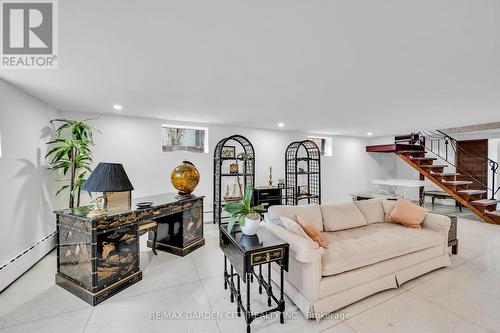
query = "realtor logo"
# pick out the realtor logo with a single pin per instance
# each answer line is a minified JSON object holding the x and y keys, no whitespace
{"x":29,"y":34}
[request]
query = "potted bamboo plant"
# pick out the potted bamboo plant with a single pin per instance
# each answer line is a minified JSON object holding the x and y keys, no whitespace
{"x":71,"y":155}
{"x":243,"y":213}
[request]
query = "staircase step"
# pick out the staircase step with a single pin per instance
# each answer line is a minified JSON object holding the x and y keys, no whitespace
{"x":444,"y":174}
{"x":487,"y":204}
{"x":432,"y":166}
{"x":412,"y":152}
{"x":393,"y":148}
{"x":494,"y":215}
{"x":457,"y":182}
{"x":484,"y":202}
{"x":471,"y":192}
{"x":423,"y":158}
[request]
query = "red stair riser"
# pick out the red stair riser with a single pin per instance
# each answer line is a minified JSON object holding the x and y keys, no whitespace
{"x":495,"y":218}
{"x":491,"y":208}
{"x":471,"y":197}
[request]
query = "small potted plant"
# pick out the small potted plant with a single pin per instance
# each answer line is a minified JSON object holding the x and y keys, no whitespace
{"x":243,"y":213}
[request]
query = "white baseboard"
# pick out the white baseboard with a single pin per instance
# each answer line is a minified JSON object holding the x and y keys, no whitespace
{"x":14,"y":268}
{"x":208,"y":217}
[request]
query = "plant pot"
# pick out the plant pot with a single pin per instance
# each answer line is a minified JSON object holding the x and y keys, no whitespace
{"x":251,"y":226}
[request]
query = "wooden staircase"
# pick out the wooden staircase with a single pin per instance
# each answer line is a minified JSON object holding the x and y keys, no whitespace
{"x":462,"y":190}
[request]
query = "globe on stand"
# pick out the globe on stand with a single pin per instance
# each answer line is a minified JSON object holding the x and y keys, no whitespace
{"x":185,"y":178}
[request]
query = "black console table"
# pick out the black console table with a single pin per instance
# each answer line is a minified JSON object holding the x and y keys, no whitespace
{"x":268,"y":196}
{"x":98,"y":257}
{"x":244,"y":253}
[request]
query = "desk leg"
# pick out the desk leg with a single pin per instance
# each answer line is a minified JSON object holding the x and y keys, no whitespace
{"x":248,"y":313}
{"x":270,"y":284}
{"x":260,"y":279}
{"x":225,"y":272}
{"x":238,"y":302}
{"x":232,"y":284}
{"x":282,"y":297}
{"x":155,"y":234}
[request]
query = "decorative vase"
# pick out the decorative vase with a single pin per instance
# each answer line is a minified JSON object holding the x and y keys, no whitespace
{"x":251,"y":226}
{"x":185,"y":178}
{"x":249,"y":242}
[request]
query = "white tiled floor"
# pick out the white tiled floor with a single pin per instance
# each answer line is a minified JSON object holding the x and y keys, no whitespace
{"x":462,"y":298}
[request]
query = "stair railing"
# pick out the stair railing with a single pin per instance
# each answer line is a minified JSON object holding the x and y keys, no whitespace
{"x":441,"y":145}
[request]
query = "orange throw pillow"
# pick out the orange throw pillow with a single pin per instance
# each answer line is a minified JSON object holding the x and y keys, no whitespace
{"x":312,"y":232}
{"x":408,"y":214}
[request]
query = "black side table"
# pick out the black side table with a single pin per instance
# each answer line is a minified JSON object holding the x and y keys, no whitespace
{"x":246,"y":252}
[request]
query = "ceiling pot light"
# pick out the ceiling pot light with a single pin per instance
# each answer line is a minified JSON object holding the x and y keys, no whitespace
{"x":369,"y":133}
{"x":117,"y":107}
{"x":281,"y":124}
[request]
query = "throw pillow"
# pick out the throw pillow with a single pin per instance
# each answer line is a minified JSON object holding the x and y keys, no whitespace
{"x":293,"y":226}
{"x":408,"y":214}
{"x":273,"y":219}
{"x":388,"y":207}
{"x":312,"y":232}
{"x":372,"y":210}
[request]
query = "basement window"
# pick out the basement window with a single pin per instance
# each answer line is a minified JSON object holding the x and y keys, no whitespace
{"x":184,"y":139}
{"x":324,"y":144}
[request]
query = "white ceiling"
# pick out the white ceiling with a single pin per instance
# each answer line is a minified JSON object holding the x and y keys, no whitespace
{"x":339,"y":67}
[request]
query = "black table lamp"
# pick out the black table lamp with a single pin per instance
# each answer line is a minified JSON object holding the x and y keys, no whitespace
{"x":107,"y":178}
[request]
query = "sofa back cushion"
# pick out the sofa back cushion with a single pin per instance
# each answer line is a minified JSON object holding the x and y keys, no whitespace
{"x":310,"y":212}
{"x":372,"y":210}
{"x":342,"y":216}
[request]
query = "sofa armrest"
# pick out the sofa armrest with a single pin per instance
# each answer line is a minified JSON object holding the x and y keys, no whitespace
{"x":439,"y":223}
{"x":304,"y":250}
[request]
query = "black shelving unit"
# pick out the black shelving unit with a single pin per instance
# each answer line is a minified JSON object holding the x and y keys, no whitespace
{"x":304,"y":154}
{"x":221,"y":170}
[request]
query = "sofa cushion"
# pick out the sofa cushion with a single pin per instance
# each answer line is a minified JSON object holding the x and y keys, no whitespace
{"x":388,"y":207}
{"x":341,"y":216}
{"x":408,"y":214}
{"x":372,"y":210}
{"x":310,"y":212}
{"x":376,"y":242}
{"x":312,"y":232}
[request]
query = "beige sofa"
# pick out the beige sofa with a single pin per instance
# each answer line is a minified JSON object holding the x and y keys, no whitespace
{"x":366,"y":253}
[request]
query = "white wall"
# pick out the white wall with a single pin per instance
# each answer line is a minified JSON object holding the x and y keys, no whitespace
{"x":25,"y":186}
{"x":135,"y":142}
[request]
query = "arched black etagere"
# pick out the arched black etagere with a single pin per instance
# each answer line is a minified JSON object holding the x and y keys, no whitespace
{"x":246,"y":170}
{"x":302,"y":173}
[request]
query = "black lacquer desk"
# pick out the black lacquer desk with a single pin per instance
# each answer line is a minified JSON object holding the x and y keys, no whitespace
{"x":99,"y":257}
{"x":245,"y":253}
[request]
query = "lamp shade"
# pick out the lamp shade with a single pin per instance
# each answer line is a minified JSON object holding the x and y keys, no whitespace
{"x":108,"y":177}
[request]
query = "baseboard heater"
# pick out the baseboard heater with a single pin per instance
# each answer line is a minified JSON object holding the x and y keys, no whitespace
{"x":14,"y":268}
